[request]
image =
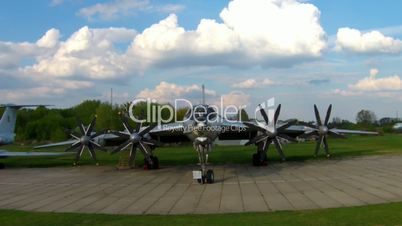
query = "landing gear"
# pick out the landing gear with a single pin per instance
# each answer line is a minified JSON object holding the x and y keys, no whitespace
{"x":2,"y":165}
{"x":207,"y":176}
{"x":259,"y":159}
{"x":153,"y":164}
{"x":322,"y":142}
{"x":210,"y":177}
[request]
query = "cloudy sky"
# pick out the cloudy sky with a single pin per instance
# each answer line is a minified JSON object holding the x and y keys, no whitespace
{"x":246,"y":51}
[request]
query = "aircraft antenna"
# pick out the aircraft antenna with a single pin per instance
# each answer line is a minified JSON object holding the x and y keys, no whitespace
{"x":203,"y":94}
{"x":111,"y":97}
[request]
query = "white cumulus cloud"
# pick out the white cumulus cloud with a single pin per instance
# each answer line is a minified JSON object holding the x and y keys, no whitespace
{"x":236,"y":98}
{"x":268,"y":33}
{"x":353,"y":40}
{"x":373,"y":85}
{"x":167,"y":92}
{"x":252,"y":83}
{"x":378,"y":84}
{"x":88,"y":52}
{"x":253,"y":32}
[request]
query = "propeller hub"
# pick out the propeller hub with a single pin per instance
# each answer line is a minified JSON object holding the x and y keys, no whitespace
{"x":323,"y":130}
{"x":135,"y":137}
{"x":85,"y":140}
{"x":274,"y":132}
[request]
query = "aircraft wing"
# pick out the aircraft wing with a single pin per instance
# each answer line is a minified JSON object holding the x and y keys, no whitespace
{"x":5,"y":154}
{"x":68,"y":142}
{"x":361,"y":132}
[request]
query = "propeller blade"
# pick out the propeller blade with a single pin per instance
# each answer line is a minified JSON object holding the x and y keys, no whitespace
{"x":326,"y":146}
{"x":92,"y":152}
{"x":317,"y":115}
{"x":145,"y":151}
{"x":318,"y":146}
{"x":264,"y":115}
{"x":277,"y":112}
{"x":146,"y":130}
{"x":328,"y":115}
{"x":264,"y":149}
{"x":267,"y":142}
{"x":78,"y":154}
{"x":121,"y":146}
{"x":72,"y":133}
{"x":257,"y":139}
{"x":286,"y":137}
{"x":126,"y":125}
{"x":91,"y":126}
{"x":287,"y":125}
{"x":152,"y":142}
{"x":73,"y":146}
{"x":74,"y":136}
{"x":279,"y":149}
{"x":81,"y":126}
{"x":98,"y":146}
{"x":133,"y":153}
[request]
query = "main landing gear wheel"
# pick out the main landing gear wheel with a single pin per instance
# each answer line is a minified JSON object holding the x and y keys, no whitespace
{"x":209,"y":178}
{"x":256,"y":160}
{"x":154,"y":165}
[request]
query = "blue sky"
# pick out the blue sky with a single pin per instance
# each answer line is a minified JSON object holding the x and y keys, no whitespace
{"x":240,"y":55}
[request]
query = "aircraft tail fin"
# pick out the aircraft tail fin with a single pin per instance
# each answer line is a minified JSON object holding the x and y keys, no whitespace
{"x":7,"y":121}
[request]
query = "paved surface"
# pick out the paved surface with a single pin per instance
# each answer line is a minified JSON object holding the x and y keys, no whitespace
{"x":238,"y":188}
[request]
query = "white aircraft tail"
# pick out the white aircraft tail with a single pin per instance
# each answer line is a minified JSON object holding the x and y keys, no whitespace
{"x":7,"y":121}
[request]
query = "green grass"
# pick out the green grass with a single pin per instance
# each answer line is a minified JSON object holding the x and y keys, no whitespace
{"x":183,"y":155}
{"x":384,"y":214}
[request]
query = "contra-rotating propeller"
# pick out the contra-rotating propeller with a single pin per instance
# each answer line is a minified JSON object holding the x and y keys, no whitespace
{"x":136,"y":138}
{"x":269,"y":132}
{"x":322,"y":131}
{"x":85,"y":138}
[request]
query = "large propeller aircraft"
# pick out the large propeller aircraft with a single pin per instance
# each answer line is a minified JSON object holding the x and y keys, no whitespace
{"x":202,"y":125}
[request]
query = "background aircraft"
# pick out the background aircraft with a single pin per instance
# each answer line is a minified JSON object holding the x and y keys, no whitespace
{"x":7,"y":135}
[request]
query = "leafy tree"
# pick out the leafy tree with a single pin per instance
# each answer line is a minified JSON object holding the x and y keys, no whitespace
{"x":366,"y":117}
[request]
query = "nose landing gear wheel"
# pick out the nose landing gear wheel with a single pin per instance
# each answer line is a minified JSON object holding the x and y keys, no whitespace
{"x":208,"y":178}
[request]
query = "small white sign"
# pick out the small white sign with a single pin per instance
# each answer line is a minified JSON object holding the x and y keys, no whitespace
{"x":197,"y":175}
